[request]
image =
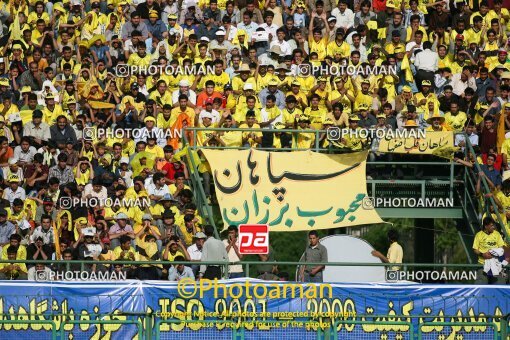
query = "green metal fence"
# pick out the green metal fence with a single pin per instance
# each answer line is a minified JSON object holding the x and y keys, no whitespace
{"x":466,"y":330}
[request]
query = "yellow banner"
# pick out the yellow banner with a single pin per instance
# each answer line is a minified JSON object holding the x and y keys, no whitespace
{"x":430,"y":142}
{"x":289,"y":191}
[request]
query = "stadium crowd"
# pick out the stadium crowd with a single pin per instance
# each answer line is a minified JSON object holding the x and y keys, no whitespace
{"x":79,"y":124}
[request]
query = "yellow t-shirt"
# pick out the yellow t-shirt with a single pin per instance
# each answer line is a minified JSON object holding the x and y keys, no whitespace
{"x":456,"y":123}
{"x":395,"y":254}
{"x":484,"y":242}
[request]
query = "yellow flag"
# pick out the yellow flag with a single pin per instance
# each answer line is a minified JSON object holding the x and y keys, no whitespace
{"x":16,"y":29}
{"x":501,"y":130}
{"x":57,"y":241}
{"x":291,"y":191}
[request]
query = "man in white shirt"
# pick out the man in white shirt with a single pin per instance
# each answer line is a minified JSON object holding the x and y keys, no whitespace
{"x":179,"y":271}
{"x":280,"y":41}
{"x":184,"y":88}
{"x":248,"y":25}
{"x":14,"y":191}
{"x":157,"y":189}
{"x":461,"y":81}
{"x":269,"y":26}
{"x":426,"y":63}
{"x":414,"y":45}
{"x":344,"y":16}
{"x":39,"y":273}
{"x":37,"y":129}
{"x":232,"y":247}
{"x":24,"y":152}
{"x":95,"y":190}
{"x":195,"y":251}
{"x":210,"y":112}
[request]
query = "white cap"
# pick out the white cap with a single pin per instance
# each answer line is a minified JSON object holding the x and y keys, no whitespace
{"x":205,"y":39}
{"x":184,"y":82}
{"x":124,"y":160}
{"x":220,"y":32}
{"x":206,"y":114}
{"x":89,"y":231}
{"x":15,"y":117}
{"x":248,"y":86}
{"x":13,"y":161}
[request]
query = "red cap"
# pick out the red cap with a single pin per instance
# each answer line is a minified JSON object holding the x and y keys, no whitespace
{"x":502,"y":51}
{"x":209,"y":101}
{"x":459,"y":37}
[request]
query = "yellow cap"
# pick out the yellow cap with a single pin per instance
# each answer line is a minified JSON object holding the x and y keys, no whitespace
{"x":150,"y":118}
{"x":26,"y":89}
{"x":426,"y":83}
{"x":406,"y":88}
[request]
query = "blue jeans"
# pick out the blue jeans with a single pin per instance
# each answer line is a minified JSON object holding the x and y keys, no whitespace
{"x":235,"y":275}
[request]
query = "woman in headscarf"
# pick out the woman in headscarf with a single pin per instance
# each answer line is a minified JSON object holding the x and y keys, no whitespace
{"x":113,"y":26}
{"x":47,"y":88}
{"x":127,"y":113}
{"x":161,"y":51}
{"x":241,"y":40}
{"x":91,"y":26}
{"x":113,"y":95}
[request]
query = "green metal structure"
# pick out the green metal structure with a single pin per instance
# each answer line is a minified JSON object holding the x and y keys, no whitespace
{"x":446,"y":179}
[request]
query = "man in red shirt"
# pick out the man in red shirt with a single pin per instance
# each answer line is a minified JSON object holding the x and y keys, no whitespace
{"x":208,"y":93}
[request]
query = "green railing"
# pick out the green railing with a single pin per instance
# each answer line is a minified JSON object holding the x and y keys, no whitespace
{"x":31,"y":323}
{"x":137,"y":323}
{"x":248,"y":265}
{"x":457,"y":324}
{"x":406,"y":328}
{"x":294,"y":133}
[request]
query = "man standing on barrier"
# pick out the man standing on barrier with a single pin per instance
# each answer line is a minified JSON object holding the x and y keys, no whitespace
{"x":213,"y":250}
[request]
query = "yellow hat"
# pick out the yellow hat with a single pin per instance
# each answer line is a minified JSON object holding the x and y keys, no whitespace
{"x":13,"y":179}
{"x":172,"y":16}
{"x":390,"y":4}
{"x":410,"y":123}
{"x":507,"y":105}
{"x":337,"y":79}
{"x":433,"y":117}
{"x":4,"y":82}
{"x":296,"y":83}
{"x":398,"y":49}
{"x":354,"y":118}
{"x":26,"y":89}
{"x":304,"y":118}
{"x":363,"y":107}
{"x":153,"y":14}
{"x":381,"y":115}
{"x":95,"y":38}
{"x":49,"y":96}
{"x":272,"y":82}
{"x":328,"y":121}
{"x":365,"y":81}
{"x":71,"y":100}
{"x":58,"y":7}
{"x":81,"y":220}
{"x":322,"y":78}
{"x":150,"y":118}
{"x":372,"y":25}
{"x":406,"y":88}
{"x":17,"y":47}
{"x":426,"y":83}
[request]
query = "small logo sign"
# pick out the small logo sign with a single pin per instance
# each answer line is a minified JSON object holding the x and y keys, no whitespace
{"x":254,"y":239}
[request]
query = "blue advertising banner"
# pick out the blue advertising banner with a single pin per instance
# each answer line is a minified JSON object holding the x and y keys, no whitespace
{"x":252,"y":308}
